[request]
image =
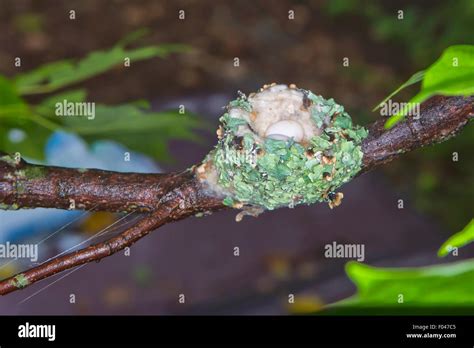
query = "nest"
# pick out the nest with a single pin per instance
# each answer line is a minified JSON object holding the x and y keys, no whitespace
{"x":283,"y":146}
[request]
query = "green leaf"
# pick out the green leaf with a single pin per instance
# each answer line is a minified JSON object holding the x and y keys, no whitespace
{"x":463,"y":237}
{"x":53,"y":76}
{"x":8,"y":94}
{"x":441,"y":285}
{"x":15,"y":112}
{"x":47,"y":105}
{"x":32,"y":144}
{"x":416,"y":77}
{"x":135,"y":127}
{"x":16,"y":117}
{"x":131,"y":124}
{"x":133,"y":37}
{"x":393,"y":120}
{"x":33,"y":78}
{"x":452,"y":74}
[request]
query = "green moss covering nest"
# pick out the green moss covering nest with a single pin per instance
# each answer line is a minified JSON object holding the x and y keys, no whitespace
{"x":254,"y":169}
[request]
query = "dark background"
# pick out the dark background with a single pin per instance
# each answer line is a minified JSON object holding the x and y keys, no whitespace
{"x":281,"y":252}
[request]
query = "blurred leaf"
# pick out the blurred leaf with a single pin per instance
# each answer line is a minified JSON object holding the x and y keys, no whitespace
{"x":31,"y":146}
{"x":8,"y":94}
{"x":441,"y":285}
{"x":16,"y":112}
{"x":134,"y":126}
{"x":133,"y":37}
{"x":131,"y":124}
{"x":47,"y":105}
{"x":53,"y":76}
{"x":32,"y":79}
{"x":452,"y":74}
{"x":15,"y":116}
{"x":433,"y":25}
{"x":463,"y":237}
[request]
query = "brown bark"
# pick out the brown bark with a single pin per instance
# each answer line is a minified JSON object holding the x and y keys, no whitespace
{"x":29,"y":186}
{"x":174,"y":196}
{"x":185,"y":197}
{"x":440,"y":119}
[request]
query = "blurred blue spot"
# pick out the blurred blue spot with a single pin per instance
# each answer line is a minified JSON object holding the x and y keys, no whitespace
{"x":69,"y":150}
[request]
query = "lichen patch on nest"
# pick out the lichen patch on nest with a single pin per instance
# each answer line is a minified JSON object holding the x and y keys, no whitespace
{"x":283,"y":146}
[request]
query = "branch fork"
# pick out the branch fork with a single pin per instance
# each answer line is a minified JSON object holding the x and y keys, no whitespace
{"x":174,"y":196}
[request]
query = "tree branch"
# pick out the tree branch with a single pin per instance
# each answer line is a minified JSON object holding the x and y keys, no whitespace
{"x":187,"y":197}
{"x":26,"y":185}
{"x":174,"y":196}
{"x":92,"y":253}
{"x":440,"y":119}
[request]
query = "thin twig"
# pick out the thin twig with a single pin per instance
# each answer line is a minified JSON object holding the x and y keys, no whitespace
{"x":94,"y":252}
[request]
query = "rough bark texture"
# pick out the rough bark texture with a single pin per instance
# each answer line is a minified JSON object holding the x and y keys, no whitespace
{"x":29,"y":186}
{"x":440,"y":119}
{"x":174,"y":196}
{"x":185,"y":196}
